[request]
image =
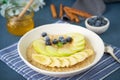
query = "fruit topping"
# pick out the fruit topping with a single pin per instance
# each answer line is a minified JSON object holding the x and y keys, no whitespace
{"x":55,"y":41}
{"x":47,"y":38}
{"x":61,"y":38}
{"x":69,"y":39}
{"x":60,"y":51}
{"x":48,"y":43}
{"x":62,"y":61}
{"x":97,"y":21}
{"x":91,"y":21}
{"x":44,"y":60}
{"x":100,"y":18}
{"x":59,"y":42}
{"x":51,"y":46}
{"x":104,"y":22}
{"x":63,"y":41}
{"x":44,"y":34}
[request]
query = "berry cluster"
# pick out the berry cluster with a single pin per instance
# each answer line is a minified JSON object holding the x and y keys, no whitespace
{"x":97,"y":21}
{"x":59,"y":42}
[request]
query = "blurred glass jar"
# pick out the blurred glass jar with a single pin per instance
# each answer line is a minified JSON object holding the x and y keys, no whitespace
{"x":19,"y":26}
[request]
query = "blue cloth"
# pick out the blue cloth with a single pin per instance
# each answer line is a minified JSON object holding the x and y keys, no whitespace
{"x":102,"y":69}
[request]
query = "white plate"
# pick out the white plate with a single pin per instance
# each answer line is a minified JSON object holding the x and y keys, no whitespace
{"x":94,"y":39}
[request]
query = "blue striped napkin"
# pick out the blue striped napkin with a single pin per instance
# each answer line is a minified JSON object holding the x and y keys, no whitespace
{"x":102,"y":69}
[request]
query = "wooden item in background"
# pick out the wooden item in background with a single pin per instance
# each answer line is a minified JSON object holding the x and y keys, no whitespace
{"x":78,"y":12}
{"x":71,"y":16}
{"x":61,"y":11}
{"x":53,"y":10}
{"x":25,"y":9}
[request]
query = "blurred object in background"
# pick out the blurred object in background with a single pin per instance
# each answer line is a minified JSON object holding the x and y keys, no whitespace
{"x":19,"y":26}
{"x":95,"y":7}
{"x":4,"y":4}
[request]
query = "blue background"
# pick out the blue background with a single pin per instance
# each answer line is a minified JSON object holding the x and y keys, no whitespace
{"x":43,"y":16}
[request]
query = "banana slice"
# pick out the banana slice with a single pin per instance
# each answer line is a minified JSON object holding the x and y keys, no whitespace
{"x":89,"y":51}
{"x":84,"y":54}
{"x":41,"y":59}
{"x":64,"y":62}
{"x":78,"y":57}
{"x":55,"y":62}
{"x":72,"y":60}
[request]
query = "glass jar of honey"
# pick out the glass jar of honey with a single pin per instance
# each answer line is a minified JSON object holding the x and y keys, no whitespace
{"x":22,"y":25}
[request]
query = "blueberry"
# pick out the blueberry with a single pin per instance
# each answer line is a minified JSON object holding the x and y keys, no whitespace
{"x":68,"y":39}
{"x":60,"y":38}
{"x":104,"y":22}
{"x":48,"y":43}
{"x":47,"y":38}
{"x":100,"y":18}
{"x":91,"y":21}
{"x":44,"y":34}
{"x":95,"y":19}
{"x":55,"y":41}
{"x":63,"y":41}
{"x":98,"y":23}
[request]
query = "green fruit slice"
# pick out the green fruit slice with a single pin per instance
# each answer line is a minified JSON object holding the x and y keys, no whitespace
{"x":39,"y":46}
{"x":78,"y":43}
{"x":52,"y":51}
{"x":64,"y":52}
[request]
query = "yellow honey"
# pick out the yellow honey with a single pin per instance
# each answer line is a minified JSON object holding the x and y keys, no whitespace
{"x":19,"y":26}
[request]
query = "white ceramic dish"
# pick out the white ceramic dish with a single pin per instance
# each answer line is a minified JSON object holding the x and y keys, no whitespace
{"x":98,"y":30}
{"x":94,"y":39}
